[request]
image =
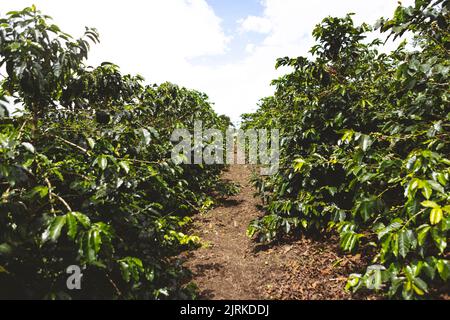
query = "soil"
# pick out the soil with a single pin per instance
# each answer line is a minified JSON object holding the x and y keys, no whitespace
{"x":230,"y":265}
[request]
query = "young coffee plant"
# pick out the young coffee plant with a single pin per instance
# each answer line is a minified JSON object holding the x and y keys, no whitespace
{"x":86,"y":176}
{"x":366,"y":148}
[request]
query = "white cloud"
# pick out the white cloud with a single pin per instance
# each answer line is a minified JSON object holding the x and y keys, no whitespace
{"x":250,"y":47}
{"x":155,"y":38}
{"x":158,"y":38}
{"x":255,"y":24}
{"x":289,"y":24}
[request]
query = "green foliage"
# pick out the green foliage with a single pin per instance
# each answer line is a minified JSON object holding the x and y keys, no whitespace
{"x":366,"y":146}
{"x":85,"y":172}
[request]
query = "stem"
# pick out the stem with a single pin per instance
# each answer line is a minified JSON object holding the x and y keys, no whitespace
{"x":114,"y":285}
{"x":62,"y":201}
{"x":50,"y":195}
{"x":71,"y":144}
{"x":414,"y":216}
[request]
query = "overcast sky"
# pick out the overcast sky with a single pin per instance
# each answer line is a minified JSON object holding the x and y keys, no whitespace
{"x":225,"y":48}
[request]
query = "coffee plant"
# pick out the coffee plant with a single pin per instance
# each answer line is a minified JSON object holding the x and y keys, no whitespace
{"x":86,"y":176}
{"x":366,"y":148}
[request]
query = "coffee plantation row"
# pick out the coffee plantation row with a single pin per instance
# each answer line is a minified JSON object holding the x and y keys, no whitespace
{"x":86,"y":177}
{"x":366,"y":148}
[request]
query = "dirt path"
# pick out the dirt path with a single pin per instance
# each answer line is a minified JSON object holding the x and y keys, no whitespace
{"x":232,"y":266}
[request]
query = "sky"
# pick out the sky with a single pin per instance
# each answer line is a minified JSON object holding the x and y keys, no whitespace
{"x":225,"y":48}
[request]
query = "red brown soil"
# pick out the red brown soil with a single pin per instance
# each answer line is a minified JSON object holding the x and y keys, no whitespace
{"x":232,"y":266}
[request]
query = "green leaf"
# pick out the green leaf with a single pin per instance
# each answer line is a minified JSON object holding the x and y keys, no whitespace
{"x":443,"y":267}
{"x":72,"y":225}
{"x":404,"y":242}
{"x":436,"y":215}
{"x":407,"y":292}
{"x":298,"y":164}
{"x":441,"y":178}
{"x":436,"y":186}
{"x":429,"y":270}
{"x":96,"y":240}
{"x":439,"y":239}
{"x":349,"y":239}
{"x":29,"y":147}
{"x":427,"y":191}
{"x":91,"y":142}
{"x":41,"y":190}
{"x":420,"y":286}
{"x":125,"y":166}
{"x":83,"y":219}
{"x":429,"y":204}
{"x":422,"y":233}
{"x":131,"y":268}
{"x":367,"y":208}
{"x":89,"y":247}
{"x":304,"y":223}
{"x":366,"y":142}
{"x":348,"y":135}
{"x":353,"y":281}
{"x":126,"y":274}
{"x":395,"y":225}
{"x":5,"y":249}
{"x":102,"y":162}
{"x":54,"y":230}
{"x":394,"y":244}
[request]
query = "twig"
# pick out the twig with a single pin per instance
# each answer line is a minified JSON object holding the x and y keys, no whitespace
{"x":141,"y":161}
{"x":412,"y":218}
{"x":21,"y":130}
{"x":114,"y":285}
{"x":71,"y":144}
{"x":62,"y":201}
